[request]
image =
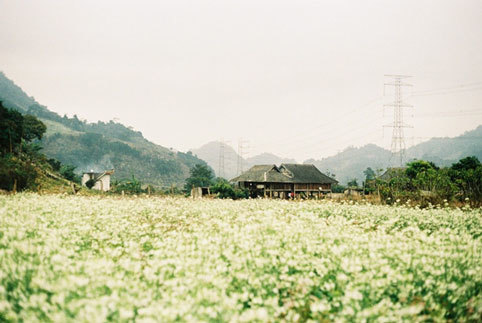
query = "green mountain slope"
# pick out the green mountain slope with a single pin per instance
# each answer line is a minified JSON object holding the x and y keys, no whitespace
{"x":445,"y":151}
{"x":351,"y":162}
{"x":13,"y":96}
{"x":100,"y":146}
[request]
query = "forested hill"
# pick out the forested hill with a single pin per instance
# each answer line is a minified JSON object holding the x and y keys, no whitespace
{"x":100,"y":146}
{"x":445,"y":151}
{"x":351,"y":162}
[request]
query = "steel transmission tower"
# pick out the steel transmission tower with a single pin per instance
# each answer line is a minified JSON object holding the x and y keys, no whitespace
{"x":398,"y":137}
{"x":242,"y":150}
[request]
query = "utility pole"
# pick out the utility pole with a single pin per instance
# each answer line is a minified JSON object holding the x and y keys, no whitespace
{"x":242,"y":150}
{"x":398,"y":137}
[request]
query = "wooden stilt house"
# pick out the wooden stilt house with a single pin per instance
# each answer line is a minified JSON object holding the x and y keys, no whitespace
{"x":285,"y":181}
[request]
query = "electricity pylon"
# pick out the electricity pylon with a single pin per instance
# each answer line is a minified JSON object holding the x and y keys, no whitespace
{"x":398,"y":137}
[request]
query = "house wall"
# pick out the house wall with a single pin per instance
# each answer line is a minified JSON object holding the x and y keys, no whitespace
{"x":102,"y":184}
{"x":283,"y":190}
{"x":312,"y":187}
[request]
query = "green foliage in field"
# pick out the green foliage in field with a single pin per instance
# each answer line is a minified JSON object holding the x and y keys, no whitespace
{"x":224,"y":190}
{"x":131,"y":186}
{"x":98,"y":259}
{"x":199,"y":176}
{"x":423,"y":181}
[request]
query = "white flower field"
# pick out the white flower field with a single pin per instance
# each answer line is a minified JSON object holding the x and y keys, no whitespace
{"x":96,"y":259}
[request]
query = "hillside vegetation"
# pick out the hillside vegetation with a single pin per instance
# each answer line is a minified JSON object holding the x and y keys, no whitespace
{"x":351,"y":162}
{"x":22,"y":165}
{"x":102,"y":145}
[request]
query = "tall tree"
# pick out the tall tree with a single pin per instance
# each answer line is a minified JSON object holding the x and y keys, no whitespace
{"x":352,"y":183}
{"x":33,"y":128}
{"x":369,"y":174}
{"x":200,"y":176}
{"x":467,"y":175}
{"x":15,"y":128}
{"x":11,"y":129}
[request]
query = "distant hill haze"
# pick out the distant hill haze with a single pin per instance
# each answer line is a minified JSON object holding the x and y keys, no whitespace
{"x":210,"y":152}
{"x":101,"y":146}
{"x":351,"y":162}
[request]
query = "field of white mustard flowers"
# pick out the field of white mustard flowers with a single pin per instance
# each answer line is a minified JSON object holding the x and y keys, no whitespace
{"x":97,"y":259}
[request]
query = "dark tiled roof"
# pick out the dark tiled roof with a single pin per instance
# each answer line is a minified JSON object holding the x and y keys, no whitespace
{"x":262,"y":173}
{"x":306,"y":173}
{"x":286,"y":173}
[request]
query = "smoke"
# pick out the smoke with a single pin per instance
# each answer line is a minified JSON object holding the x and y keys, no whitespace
{"x":98,"y":166}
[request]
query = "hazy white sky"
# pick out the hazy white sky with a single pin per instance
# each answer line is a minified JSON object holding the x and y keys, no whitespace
{"x":297,"y":78}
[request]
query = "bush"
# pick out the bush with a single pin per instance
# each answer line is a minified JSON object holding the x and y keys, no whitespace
{"x":67,"y":171}
{"x":17,"y":174}
{"x":224,"y":190}
{"x":132,"y":186}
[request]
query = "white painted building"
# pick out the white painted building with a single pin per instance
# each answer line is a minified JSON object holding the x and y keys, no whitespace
{"x":101,"y":180}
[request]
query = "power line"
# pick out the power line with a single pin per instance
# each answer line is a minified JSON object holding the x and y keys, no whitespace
{"x":327,"y":143}
{"x":326,"y":126}
{"x":452,"y":114}
{"x":448,"y":92}
{"x":466,"y":86}
{"x":301,"y":140}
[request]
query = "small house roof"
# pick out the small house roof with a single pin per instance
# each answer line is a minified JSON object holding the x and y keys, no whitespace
{"x":97,"y":176}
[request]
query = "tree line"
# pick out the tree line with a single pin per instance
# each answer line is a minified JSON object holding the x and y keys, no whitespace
{"x":423,"y":181}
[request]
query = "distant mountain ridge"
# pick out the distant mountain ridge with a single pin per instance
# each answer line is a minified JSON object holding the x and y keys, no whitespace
{"x":105,"y":145}
{"x":445,"y":151}
{"x":210,"y":152}
{"x":351,"y":162}
{"x":101,"y":145}
{"x":268,"y":158}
